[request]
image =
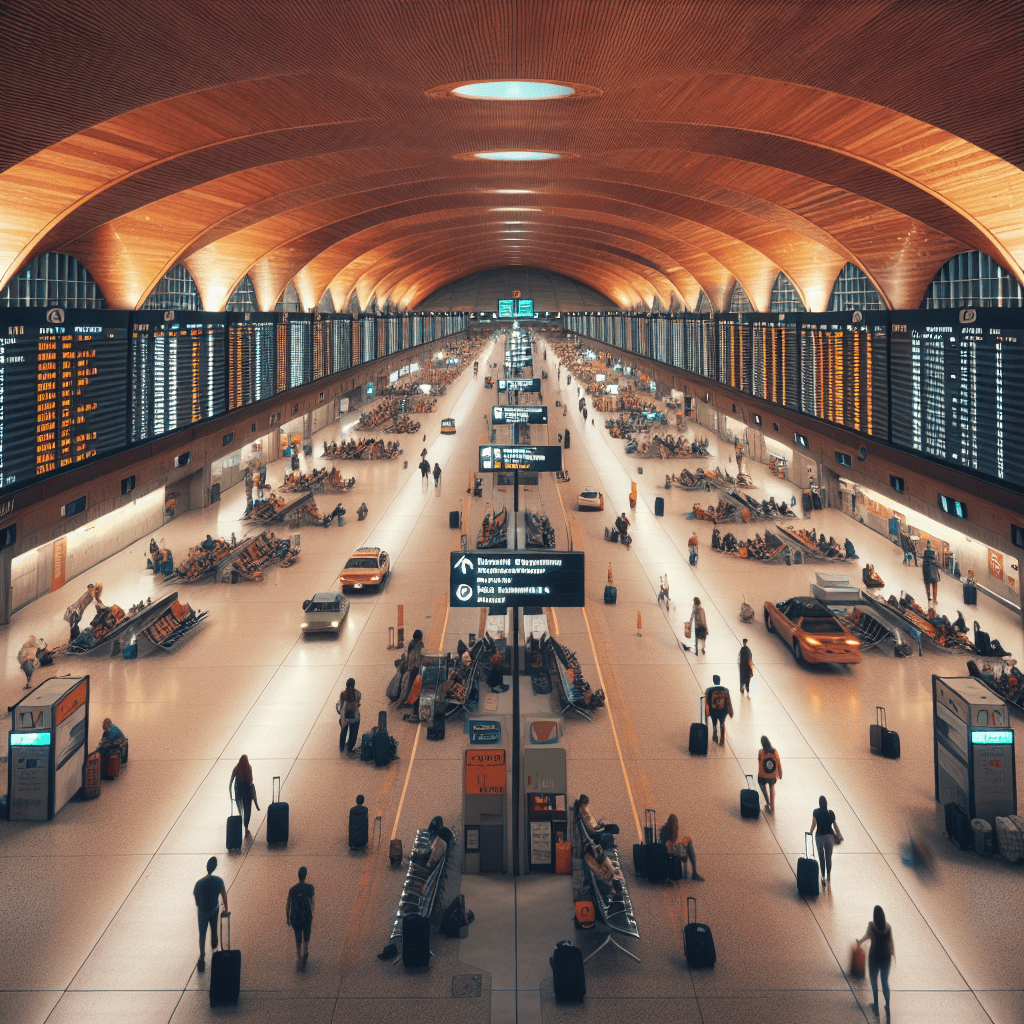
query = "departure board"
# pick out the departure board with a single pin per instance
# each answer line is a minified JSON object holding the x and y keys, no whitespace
{"x":178,"y":370}
{"x":252,"y":343}
{"x":774,"y":358}
{"x":1000,"y":391}
{"x":732,"y":357}
{"x":296,"y":330}
{"x":63,"y":384}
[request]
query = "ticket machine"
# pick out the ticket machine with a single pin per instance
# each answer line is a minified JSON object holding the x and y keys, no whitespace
{"x":975,"y":759}
{"x":47,"y":747}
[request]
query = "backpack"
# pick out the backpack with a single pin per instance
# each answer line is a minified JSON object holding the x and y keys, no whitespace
{"x":455,"y":918}
{"x":302,"y":909}
{"x":717,"y":699}
{"x":349,"y":711}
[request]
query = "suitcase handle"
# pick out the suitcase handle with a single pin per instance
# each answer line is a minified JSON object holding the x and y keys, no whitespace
{"x":225,"y":915}
{"x":689,"y":900}
{"x":703,"y":711}
{"x":879,"y":716}
{"x":809,"y":845}
{"x":275,"y":799}
{"x":750,"y":782}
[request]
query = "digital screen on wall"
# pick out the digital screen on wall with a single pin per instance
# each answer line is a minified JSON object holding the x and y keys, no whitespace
{"x":774,"y":362}
{"x":524,"y":308}
{"x":63,"y":389}
{"x":506,"y":309}
{"x":252,"y":343}
{"x":178,"y":370}
{"x":956,"y":386}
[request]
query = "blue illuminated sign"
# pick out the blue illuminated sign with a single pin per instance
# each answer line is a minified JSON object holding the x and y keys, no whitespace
{"x":30,"y":739}
{"x":992,"y":736}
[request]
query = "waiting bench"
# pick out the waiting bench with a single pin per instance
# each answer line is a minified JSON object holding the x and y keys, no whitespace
{"x":574,"y":692}
{"x":613,"y":912}
{"x":422,"y":889}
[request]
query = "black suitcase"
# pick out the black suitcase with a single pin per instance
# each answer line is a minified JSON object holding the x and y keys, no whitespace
{"x":640,"y":860}
{"x":225,"y":970}
{"x":807,"y":877}
{"x":568,"y":973}
{"x":699,"y":733}
{"x":656,"y":853}
{"x":610,"y":594}
{"x":883,"y":741}
{"x":970,"y":593}
{"x":233,"y":839}
{"x":277,"y":816}
{"x":659,"y":506}
{"x":453,"y":520}
{"x":750,"y":800}
{"x":415,"y":940}
{"x":435,"y":731}
{"x":366,"y":747}
{"x":698,"y":942}
{"x":982,"y":641}
{"x":958,"y":827}
{"x":358,"y":827}
{"x":381,"y":742}
{"x":675,"y":867}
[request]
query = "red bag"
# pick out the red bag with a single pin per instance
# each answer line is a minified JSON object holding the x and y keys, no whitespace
{"x":857,"y":961}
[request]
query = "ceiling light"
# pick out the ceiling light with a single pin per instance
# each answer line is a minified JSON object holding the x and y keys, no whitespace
{"x":516,"y":155}
{"x":513,"y":191}
{"x":513,"y":90}
{"x":515,"y":209}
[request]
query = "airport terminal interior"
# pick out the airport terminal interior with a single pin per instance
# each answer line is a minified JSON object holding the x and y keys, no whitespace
{"x":314,"y":313}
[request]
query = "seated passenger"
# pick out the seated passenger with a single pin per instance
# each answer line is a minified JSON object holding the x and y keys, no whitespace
{"x":679,"y":846}
{"x":596,"y":828}
{"x":208,"y":544}
{"x":112,"y":736}
{"x":607,"y":876}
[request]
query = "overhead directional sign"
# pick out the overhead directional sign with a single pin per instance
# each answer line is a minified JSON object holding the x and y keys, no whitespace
{"x":502,"y":458}
{"x":523,"y":384}
{"x":519,"y":414}
{"x":517,"y":578}
{"x":506,"y":309}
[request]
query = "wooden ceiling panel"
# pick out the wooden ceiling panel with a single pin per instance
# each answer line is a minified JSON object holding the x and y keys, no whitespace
{"x":711,"y":142}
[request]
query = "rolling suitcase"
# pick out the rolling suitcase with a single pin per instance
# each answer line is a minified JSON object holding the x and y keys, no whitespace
{"x":610,"y":594}
{"x":699,"y":733}
{"x":110,"y":761}
{"x":970,"y":593}
{"x":698,"y":942}
{"x":675,"y":868}
{"x":453,"y":520}
{"x":640,"y":860}
{"x":568,"y":973}
{"x":750,"y":800}
{"x":659,"y":506}
{"x":808,"y":881}
{"x":366,"y":747}
{"x":225,"y":969}
{"x":277,"y":816}
{"x":958,"y":827}
{"x":435,"y":731}
{"x":984,"y":837}
{"x":883,"y":741}
{"x":358,"y":827}
{"x":233,"y":838}
{"x":657,"y":852}
{"x":415,"y":940}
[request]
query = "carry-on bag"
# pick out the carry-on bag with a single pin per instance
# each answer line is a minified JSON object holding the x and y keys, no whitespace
{"x":233,"y":838}
{"x":699,"y":733}
{"x":358,"y":827}
{"x":675,"y":867}
{"x":883,"y":741}
{"x":415,"y":940}
{"x":858,"y":961}
{"x":750,"y":800}
{"x":436,"y":729}
{"x":611,"y":594}
{"x":640,"y":860}
{"x":698,"y":942}
{"x":366,"y":747}
{"x":659,"y":506}
{"x":381,"y":741}
{"x":277,"y":815}
{"x":568,"y":973}
{"x":808,"y":881}
{"x":225,"y":969}
{"x":984,"y":837}
{"x":970,"y":593}
{"x":657,"y":852}
{"x":110,"y":762}
{"x":453,"y":520}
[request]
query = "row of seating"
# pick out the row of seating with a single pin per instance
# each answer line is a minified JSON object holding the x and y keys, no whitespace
{"x":424,"y":883}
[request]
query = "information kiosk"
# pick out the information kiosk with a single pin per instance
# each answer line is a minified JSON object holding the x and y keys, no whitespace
{"x":975,"y":764}
{"x":47,"y":747}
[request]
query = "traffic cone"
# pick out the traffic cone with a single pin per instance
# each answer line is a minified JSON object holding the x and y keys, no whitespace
{"x":610,"y":580}
{"x":639,"y":625}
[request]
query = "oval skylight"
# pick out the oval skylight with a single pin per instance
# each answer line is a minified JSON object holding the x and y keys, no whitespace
{"x":513,"y":90}
{"x":516,"y":154}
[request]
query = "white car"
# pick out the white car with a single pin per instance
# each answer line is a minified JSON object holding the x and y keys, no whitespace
{"x":324,"y":612}
{"x":590,"y":497}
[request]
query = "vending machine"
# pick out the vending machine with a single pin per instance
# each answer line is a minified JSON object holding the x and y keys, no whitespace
{"x":47,"y":747}
{"x":975,"y":757}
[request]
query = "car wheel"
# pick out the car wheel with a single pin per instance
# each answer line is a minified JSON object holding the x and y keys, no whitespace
{"x":768,"y":622}
{"x":798,"y":652}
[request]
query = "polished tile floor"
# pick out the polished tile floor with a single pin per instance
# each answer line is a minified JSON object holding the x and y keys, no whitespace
{"x":99,"y":922}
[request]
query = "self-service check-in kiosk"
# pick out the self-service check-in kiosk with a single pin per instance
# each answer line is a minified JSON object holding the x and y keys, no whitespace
{"x":47,"y":747}
{"x":975,"y":763}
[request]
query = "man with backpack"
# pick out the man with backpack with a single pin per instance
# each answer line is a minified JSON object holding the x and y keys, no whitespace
{"x":298,"y":913}
{"x":718,"y":701}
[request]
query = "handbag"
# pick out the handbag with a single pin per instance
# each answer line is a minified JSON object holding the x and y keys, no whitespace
{"x":686,"y":630}
{"x":857,"y":961}
{"x":838,"y":835}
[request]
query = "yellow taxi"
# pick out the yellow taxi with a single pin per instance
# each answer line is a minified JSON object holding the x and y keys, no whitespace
{"x":366,"y":567}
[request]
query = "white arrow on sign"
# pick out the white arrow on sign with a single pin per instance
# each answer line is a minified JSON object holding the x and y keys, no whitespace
{"x":464,"y":564}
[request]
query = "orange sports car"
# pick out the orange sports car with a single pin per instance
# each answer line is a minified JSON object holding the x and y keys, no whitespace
{"x":813,"y":632}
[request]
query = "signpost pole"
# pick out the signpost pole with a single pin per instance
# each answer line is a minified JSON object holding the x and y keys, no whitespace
{"x":516,"y":767}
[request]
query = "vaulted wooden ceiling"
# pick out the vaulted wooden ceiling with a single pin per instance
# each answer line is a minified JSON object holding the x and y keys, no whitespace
{"x":318,"y":140}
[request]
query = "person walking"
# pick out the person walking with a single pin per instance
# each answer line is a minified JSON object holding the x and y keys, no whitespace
{"x":769,"y":771}
{"x":244,"y":790}
{"x":930,"y":571}
{"x":880,"y":956}
{"x":746,"y":667}
{"x":823,"y":822}
{"x":298,"y":912}
{"x":207,"y":892}
{"x":74,"y":612}
{"x":424,"y":471}
{"x":348,"y":716}
{"x":679,"y":846}
{"x":28,"y":658}
{"x":699,"y":625}
{"x":693,"y":548}
{"x":718,"y":702}
{"x":437,"y":473}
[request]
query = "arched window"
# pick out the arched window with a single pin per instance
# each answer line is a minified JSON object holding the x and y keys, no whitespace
{"x":785,"y":297}
{"x":176,"y":290}
{"x":326,"y":302}
{"x":289,"y":301}
{"x":972,"y":279}
{"x":53,"y":279}
{"x":704,"y":303}
{"x":243,"y":298}
{"x":739,"y":303}
{"x":853,"y":290}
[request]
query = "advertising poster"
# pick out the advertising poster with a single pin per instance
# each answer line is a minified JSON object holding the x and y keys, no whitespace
{"x":995,"y":564}
{"x":60,"y":563}
{"x":540,"y":842}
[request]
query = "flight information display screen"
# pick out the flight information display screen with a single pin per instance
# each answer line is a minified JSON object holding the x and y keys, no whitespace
{"x":252,"y":351}
{"x":506,"y":309}
{"x":63,"y":389}
{"x":774,"y":358}
{"x":178,"y":370}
